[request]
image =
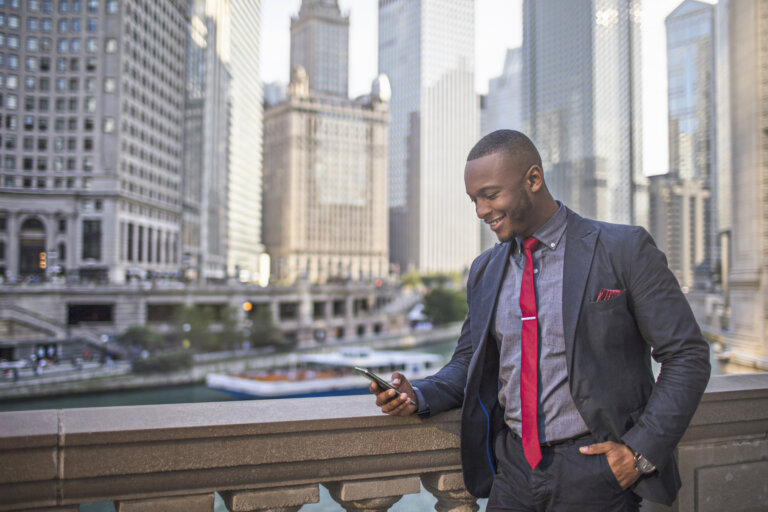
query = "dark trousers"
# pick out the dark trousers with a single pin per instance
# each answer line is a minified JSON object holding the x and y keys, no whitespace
{"x":564,"y":480}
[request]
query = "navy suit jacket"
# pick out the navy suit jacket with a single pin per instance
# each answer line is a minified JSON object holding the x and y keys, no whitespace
{"x":608,"y":351}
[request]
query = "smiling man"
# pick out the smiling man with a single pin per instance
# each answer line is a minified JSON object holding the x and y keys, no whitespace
{"x":553,"y":364}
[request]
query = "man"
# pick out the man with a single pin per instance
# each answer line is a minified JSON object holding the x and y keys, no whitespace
{"x":560,"y":407}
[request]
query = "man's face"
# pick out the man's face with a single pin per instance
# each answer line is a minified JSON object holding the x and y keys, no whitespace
{"x":496,"y":184}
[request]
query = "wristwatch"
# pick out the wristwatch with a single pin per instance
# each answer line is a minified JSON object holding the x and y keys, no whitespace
{"x":643,"y":465}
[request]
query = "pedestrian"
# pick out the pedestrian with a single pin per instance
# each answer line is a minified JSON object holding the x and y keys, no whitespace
{"x":560,"y":409}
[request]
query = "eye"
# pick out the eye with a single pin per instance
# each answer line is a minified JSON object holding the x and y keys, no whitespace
{"x":492,"y":195}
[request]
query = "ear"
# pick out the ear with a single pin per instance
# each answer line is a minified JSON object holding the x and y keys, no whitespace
{"x":535,"y":178}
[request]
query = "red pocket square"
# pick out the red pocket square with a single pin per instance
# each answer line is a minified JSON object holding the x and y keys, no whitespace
{"x":607,"y":294}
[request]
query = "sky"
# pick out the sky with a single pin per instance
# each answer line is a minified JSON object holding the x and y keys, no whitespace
{"x":501,"y":22}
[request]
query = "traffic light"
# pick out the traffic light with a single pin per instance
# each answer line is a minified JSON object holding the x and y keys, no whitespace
{"x":43,"y":261}
{"x":247,"y":306}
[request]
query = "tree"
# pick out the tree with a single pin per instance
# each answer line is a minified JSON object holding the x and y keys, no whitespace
{"x":444,"y":306}
{"x":194,"y":324}
{"x":142,"y":336}
{"x":264,"y":332}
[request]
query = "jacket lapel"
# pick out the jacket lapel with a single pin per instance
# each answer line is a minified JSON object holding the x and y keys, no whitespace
{"x":487,"y":287}
{"x":581,"y":238}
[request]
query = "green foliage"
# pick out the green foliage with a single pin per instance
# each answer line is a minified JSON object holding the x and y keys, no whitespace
{"x":142,"y":336}
{"x":230,"y":336}
{"x":445,"y":306}
{"x":264,"y":332}
{"x":411,"y":278}
{"x":194,"y":325}
{"x":163,"y":363}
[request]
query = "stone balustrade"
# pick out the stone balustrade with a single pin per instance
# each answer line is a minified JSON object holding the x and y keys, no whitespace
{"x":273,"y":455}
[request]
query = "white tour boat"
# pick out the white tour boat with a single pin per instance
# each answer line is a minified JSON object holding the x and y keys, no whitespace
{"x":325,"y":374}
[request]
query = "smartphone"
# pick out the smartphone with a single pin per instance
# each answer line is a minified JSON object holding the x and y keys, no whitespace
{"x":383,"y":384}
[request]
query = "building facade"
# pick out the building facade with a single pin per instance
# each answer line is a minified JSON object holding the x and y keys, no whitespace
{"x":241,"y":51}
{"x":325,"y":172}
{"x":678,"y":223}
{"x":582,"y":103}
{"x":748,"y":278}
{"x":320,"y":44}
{"x":206,"y":133}
{"x":92,"y":138}
{"x":426,"y":48}
{"x":692,"y":114}
{"x":501,"y":109}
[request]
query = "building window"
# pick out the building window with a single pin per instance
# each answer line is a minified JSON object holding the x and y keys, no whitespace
{"x":62,"y":225}
{"x":92,"y":240}
{"x":109,"y":124}
{"x":110,"y":45}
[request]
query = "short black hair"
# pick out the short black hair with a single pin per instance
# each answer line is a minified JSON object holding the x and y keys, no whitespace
{"x":510,"y":141}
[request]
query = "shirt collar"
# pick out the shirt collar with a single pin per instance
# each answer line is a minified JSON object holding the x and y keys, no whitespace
{"x":551,"y":233}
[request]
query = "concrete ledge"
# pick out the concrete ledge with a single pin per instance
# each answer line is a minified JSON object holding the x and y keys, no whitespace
{"x":281,"y":450}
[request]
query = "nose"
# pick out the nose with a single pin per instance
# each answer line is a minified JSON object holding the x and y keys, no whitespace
{"x":481,"y":208}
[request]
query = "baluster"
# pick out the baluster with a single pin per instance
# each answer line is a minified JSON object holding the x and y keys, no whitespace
{"x":372,"y":495}
{"x":192,"y":503}
{"x":450,"y":492}
{"x":280,"y":499}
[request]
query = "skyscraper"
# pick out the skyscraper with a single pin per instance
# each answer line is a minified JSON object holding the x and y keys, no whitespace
{"x":241,"y":50}
{"x":582,"y":102}
{"x":501,"y":109}
{"x":92,"y":132}
{"x":692,"y":114}
{"x":748,"y":286}
{"x":320,"y":44}
{"x":325,"y":163}
{"x":426,"y":48}
{"x":206,"y":132}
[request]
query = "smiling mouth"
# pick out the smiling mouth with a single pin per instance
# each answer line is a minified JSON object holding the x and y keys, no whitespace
{"x":494,"y":222}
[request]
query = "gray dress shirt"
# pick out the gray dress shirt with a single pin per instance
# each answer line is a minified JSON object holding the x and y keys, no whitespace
{"x":558,"y":417}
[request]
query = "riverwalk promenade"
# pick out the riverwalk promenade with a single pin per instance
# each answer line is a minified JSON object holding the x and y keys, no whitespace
{"x":64,"y":378}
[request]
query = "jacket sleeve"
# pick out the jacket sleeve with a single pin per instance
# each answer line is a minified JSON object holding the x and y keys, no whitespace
{"x":666,"y":322}
{"x":445,"y":389}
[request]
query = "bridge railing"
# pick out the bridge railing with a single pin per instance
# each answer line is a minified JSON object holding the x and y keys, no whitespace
{"x":273,"y":455}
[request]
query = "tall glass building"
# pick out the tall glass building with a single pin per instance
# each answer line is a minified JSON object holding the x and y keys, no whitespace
{"x":241,"y":50}
{"x":426,"y":48}
{"x":692,"y":111}
{"x":501,"y":109}
{"x":582,"y":103}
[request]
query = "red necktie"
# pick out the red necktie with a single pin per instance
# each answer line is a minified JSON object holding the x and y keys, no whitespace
{"x":529,"y":362}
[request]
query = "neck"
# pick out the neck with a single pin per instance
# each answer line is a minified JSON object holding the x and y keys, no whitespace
{"x":545,"y":212}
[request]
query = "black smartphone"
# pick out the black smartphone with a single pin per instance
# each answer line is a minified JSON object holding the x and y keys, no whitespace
{"x":383,"y":384}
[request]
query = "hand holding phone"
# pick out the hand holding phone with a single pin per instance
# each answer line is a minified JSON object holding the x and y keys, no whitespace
{"x":380,"y":382}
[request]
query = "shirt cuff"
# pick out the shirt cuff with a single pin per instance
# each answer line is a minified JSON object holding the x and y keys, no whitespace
{"x":423,"y":406}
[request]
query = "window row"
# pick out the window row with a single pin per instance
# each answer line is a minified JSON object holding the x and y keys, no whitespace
{"x":64,"y":25}
{"x":59,"y":143}
{"x":29,"y":123}
{"x":45,"y":44}
{"x":43,"y":183}
{"x":41,"y":164}
{"x":143,"y":243}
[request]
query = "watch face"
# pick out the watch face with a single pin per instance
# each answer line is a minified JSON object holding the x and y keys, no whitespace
{"x":643,"y":465}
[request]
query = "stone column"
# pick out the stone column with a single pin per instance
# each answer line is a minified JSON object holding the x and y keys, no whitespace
{"x":372,"y":495}
{"x":279,"y":499}
{"x":191,"y":503}
{"x":450,"y":492}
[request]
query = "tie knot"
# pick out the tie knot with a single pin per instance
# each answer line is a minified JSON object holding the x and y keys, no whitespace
{"x":530,"y":244}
